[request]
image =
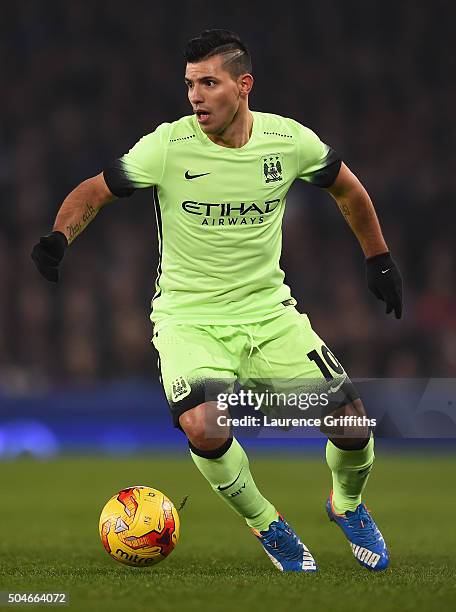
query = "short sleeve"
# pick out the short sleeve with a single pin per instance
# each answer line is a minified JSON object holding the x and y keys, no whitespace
{"x":142,"y":166}
{"x":318,"y":163}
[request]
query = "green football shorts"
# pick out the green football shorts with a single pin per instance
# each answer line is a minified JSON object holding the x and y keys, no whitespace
{"x":197,"y":362}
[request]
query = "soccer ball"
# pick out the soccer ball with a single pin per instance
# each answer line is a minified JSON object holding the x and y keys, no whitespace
{"x":139,"y":526}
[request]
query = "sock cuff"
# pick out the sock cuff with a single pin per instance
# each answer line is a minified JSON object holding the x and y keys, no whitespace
{"x":349,"y":459}
{"x":365,"y":442}
{"x":216,"y":453}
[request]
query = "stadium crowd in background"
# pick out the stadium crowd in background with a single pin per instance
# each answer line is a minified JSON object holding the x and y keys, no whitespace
{"x":82,"y":83}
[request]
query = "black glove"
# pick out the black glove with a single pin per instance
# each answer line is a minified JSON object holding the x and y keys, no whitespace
{"x":48,"y":254}
{"x":385,"y":282}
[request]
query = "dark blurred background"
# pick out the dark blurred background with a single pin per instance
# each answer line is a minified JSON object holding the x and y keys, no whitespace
{"x":83,"y":81}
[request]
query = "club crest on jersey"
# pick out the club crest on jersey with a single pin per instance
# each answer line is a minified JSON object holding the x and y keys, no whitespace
{"x":179,"y":388}
{"x":272,"y":168}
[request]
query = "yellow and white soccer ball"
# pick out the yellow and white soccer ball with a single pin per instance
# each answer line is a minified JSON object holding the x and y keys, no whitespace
{"x":139,"y":526}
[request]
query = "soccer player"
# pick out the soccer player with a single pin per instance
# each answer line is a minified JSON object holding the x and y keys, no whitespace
{"x":221,"y":310}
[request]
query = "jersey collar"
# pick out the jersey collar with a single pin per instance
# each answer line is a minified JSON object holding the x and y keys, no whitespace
{"x":203,"y":138}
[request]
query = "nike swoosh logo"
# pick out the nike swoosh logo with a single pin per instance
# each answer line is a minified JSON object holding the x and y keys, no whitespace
{"x":230,"y":485}
{"x":385,"y":271}
{"x":365,"y":470}
{"x":192,"y":176}
{"x":334,"y":389}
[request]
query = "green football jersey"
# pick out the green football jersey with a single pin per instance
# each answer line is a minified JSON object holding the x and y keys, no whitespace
{"x":219,"y":214}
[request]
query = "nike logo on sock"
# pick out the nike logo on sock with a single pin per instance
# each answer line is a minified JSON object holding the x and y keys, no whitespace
{"x":365,"y":470}
{"x":230,"y":485}
{"x":192,"y":176}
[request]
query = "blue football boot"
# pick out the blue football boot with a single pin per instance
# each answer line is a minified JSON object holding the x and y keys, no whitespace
{"x":366,"y":541}
{"x":284,"y":548}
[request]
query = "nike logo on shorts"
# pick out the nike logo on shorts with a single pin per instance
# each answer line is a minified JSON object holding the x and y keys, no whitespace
{"x":337,"y":387}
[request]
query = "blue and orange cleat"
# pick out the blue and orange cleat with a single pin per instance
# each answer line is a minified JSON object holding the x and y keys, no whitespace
{"x":366,"y":541}
{"x":284,"y":548}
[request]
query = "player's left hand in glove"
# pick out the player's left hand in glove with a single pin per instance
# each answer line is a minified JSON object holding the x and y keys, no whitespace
{"x":385,"y":282}
{"x":48,"y":254}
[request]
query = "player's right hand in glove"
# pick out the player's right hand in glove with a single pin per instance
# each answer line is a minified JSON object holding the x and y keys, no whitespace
{"x":48,"y":254}
{"x":385,"y":282}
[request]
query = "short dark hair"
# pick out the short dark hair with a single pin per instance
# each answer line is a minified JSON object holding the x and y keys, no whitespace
{"x":220,"y":42}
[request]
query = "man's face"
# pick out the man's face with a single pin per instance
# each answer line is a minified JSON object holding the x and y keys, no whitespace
{"x":213,"y":93}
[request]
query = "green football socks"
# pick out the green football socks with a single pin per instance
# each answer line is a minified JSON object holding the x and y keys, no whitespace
{"x":230,"y":477}
{"x":350,"y":471}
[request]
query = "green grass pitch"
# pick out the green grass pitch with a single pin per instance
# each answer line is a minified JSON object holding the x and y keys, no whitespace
{"x":49,"y":539}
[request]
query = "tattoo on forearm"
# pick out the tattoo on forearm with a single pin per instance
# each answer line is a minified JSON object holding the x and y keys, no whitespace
{"x":76,"y":228}
{"x":344,"y":210}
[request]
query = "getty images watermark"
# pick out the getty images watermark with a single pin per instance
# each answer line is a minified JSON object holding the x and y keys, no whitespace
{"x":273,"y":404}
{"x":422,"y":408}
